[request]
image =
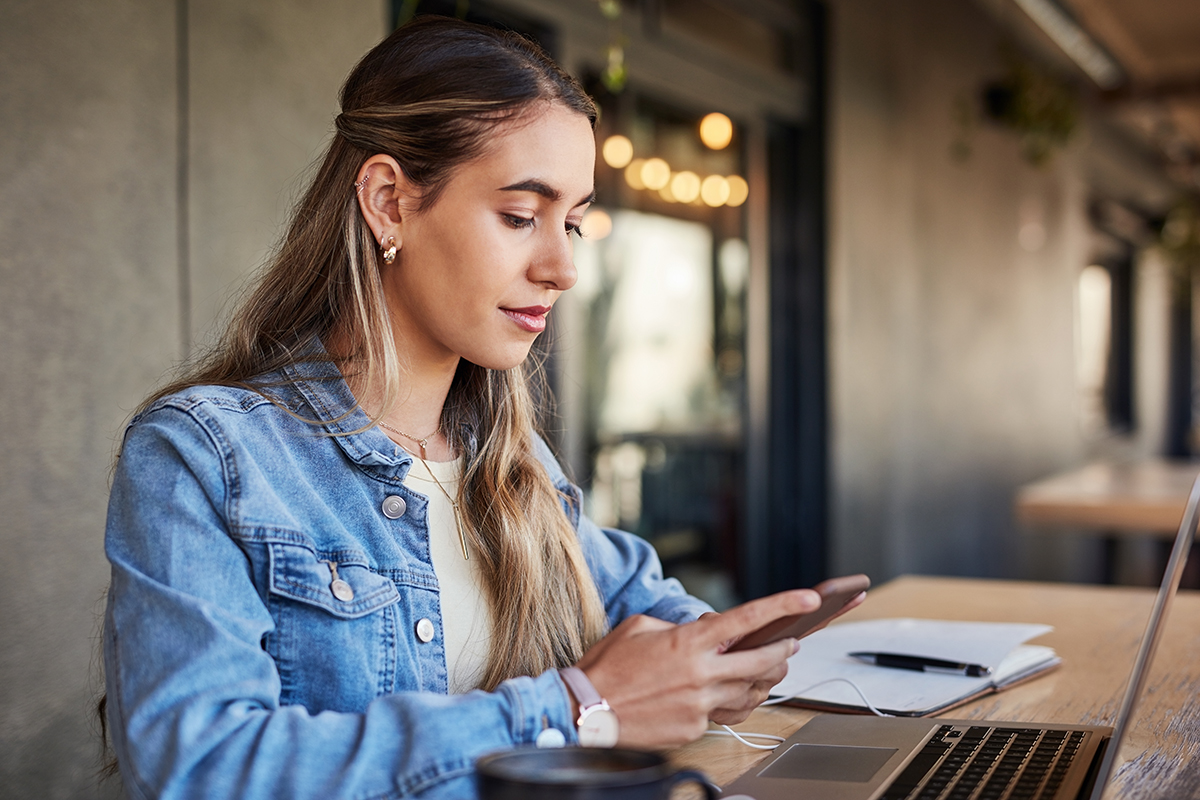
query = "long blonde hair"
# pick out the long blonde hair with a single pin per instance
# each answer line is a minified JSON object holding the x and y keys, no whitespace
{"x":428,"y":96}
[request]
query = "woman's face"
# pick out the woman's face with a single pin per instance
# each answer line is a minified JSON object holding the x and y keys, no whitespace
{"x":478,"y":271}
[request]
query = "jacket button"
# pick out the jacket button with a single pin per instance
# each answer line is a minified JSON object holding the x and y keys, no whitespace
{"x":341,"y":590}
{"x":394,"y":507}
{"x":424,"y":630}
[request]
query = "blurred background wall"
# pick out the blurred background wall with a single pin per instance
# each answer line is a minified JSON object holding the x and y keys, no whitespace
{"x":954,"y":301}
{"x":122,"y":120}
{"x":149,"y":152}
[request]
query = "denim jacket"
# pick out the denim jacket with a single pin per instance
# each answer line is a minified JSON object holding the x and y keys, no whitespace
{"x":233,"y":670}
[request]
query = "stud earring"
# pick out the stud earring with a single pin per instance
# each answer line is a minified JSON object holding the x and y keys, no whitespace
{"x":389,"y":255}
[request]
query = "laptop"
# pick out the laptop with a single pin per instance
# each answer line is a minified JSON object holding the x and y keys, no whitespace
{"x":846,"y":757}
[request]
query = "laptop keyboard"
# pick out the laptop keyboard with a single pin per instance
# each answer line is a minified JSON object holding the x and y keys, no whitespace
{"x":983,"y":763}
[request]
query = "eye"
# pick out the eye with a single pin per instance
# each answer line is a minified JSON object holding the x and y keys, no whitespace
{"x":574,"y":228}
{"x":518,"y":222}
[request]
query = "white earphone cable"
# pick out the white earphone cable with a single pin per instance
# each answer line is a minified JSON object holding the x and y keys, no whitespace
{"x":740,"y":736}
{"x":806,"y":690}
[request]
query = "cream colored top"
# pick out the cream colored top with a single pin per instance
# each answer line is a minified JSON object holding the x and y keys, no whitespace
{"x":466,"y":617}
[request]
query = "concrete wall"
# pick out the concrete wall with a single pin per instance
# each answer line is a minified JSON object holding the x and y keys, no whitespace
{"x":94,"y":300}
{"x":952,"y":346}
{"x":263,"y":94}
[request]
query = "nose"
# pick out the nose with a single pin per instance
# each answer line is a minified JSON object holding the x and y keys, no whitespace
{"x":554,"y":268}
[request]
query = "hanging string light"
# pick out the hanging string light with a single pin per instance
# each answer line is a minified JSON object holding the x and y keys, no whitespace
{"x":656,"y":173}
{"x":716,"y":131}
{"x":617,"y":151}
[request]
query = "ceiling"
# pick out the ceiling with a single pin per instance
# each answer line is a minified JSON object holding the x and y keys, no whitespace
{"x":1157,"y":45}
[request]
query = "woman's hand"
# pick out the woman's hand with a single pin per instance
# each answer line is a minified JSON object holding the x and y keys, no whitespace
{"x":665,"y":681}
{"x":760,"y":689}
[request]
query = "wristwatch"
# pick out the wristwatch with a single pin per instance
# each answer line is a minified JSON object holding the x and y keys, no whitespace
{"x":597,"y":723}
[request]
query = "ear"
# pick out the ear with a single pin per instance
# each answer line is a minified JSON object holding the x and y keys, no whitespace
{"x":385,"y":196}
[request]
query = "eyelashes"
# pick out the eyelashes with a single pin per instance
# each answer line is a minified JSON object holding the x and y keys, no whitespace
{"x":521,"y":223}
{"x":516,"y":222}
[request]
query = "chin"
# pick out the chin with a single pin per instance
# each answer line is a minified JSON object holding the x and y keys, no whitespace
{"x":503,"y":361}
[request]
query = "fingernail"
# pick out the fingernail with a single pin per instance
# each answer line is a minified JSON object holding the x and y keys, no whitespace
{"x":795,"y":646}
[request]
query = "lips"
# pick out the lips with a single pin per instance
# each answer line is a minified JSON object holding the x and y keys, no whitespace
{"x":530,"y":318}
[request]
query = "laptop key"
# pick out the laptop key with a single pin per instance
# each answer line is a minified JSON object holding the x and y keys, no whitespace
{"x":916,"y":770}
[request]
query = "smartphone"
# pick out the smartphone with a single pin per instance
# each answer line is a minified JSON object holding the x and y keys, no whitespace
{"x":835,"y":594}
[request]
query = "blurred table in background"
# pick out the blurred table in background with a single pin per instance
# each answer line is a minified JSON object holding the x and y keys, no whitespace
{"x":1130,"y":499}
{"x":1097,"y":630}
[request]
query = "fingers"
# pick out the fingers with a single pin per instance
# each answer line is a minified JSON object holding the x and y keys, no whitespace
{"x":743,"y":697}
{"x":773,"y":676}
{"x":739,"y":698}
{"x":747,"y":617}
{"x":730,"y":716}
{"x":754,"y":665}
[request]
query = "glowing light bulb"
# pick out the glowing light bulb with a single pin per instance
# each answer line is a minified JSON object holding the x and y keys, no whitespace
{"x":596,"y":225}
{"x":739,"y":190}
{"x":714,"y":191}
{"x":617,"y":151}
{"x":716,"y":131}
{"x":633,"y":174}
{"x":685,"y":186}
{"x":656,"y":173}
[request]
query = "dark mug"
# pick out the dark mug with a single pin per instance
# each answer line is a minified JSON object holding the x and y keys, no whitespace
{"x":581,"y":773}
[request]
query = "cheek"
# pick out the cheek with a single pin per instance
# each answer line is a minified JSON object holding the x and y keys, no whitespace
{"x":482,"y":263}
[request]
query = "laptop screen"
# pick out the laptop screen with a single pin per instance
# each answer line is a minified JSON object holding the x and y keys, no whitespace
{"x":1154,"y":629}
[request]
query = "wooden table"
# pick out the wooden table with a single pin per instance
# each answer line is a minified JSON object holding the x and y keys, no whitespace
{"x":1137,"y":498}
{"x":1116,"y":500}
{"x":1097,"y":631}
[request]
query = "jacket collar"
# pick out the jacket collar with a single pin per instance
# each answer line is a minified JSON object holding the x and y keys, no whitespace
{"x":324,"y":390}
{"x":321,"y":385}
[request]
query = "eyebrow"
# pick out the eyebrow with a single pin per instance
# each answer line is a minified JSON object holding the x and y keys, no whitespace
{"x":545,"y":190}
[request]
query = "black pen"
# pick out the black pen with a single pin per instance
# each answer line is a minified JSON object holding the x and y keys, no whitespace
{"x":922,"y":664}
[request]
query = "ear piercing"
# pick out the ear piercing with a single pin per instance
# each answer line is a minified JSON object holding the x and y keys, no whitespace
{"x":389,"y":254}
{"x":358,"y":187}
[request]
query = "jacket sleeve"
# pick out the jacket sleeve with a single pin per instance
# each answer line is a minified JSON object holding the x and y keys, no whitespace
{"x":194,"y":698}
{"x":625,"y":567}
{"x":628,"y":573}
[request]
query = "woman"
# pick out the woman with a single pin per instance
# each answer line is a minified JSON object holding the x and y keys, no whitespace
{"x":343,"y":563}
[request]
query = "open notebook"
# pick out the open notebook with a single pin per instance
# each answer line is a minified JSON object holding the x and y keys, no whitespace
{"x":821,"y":675}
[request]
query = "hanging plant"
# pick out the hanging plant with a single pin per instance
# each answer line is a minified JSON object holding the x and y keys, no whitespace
{"x":1179,"y":239}
{"x":615,"y":74}
{"x":1180,"y":235}
{"x":1041,"y":109}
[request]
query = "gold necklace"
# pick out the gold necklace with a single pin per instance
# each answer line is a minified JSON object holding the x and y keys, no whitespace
{"x":422,"y":441}
{"x":462,"y":537}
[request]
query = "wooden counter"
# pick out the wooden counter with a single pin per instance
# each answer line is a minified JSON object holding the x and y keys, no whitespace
{"x":1097,"y":631}
{"x":1134,"y":499}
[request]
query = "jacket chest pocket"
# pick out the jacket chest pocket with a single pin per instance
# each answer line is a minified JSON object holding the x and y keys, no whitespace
{"x":334,"y":641}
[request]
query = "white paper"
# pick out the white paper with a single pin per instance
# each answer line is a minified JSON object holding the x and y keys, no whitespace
{"x":823,"y":657}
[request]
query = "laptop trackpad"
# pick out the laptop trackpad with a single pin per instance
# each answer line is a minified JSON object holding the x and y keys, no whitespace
{"x":824,"y":762}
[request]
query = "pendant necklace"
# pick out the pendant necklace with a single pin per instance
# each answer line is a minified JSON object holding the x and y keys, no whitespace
{"x":422,"y":442}
{"x":462,"y":537}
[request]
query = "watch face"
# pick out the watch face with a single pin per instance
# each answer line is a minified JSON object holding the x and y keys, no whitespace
{"x":598,"y":727}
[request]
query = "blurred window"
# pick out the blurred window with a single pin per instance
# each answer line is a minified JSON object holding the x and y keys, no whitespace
{"x":1104,"y":347}
{"x":1094,"y":343}
{"x":648,"y":350}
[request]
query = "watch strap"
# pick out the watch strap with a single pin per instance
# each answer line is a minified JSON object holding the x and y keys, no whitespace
{"x":585,"y":694}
